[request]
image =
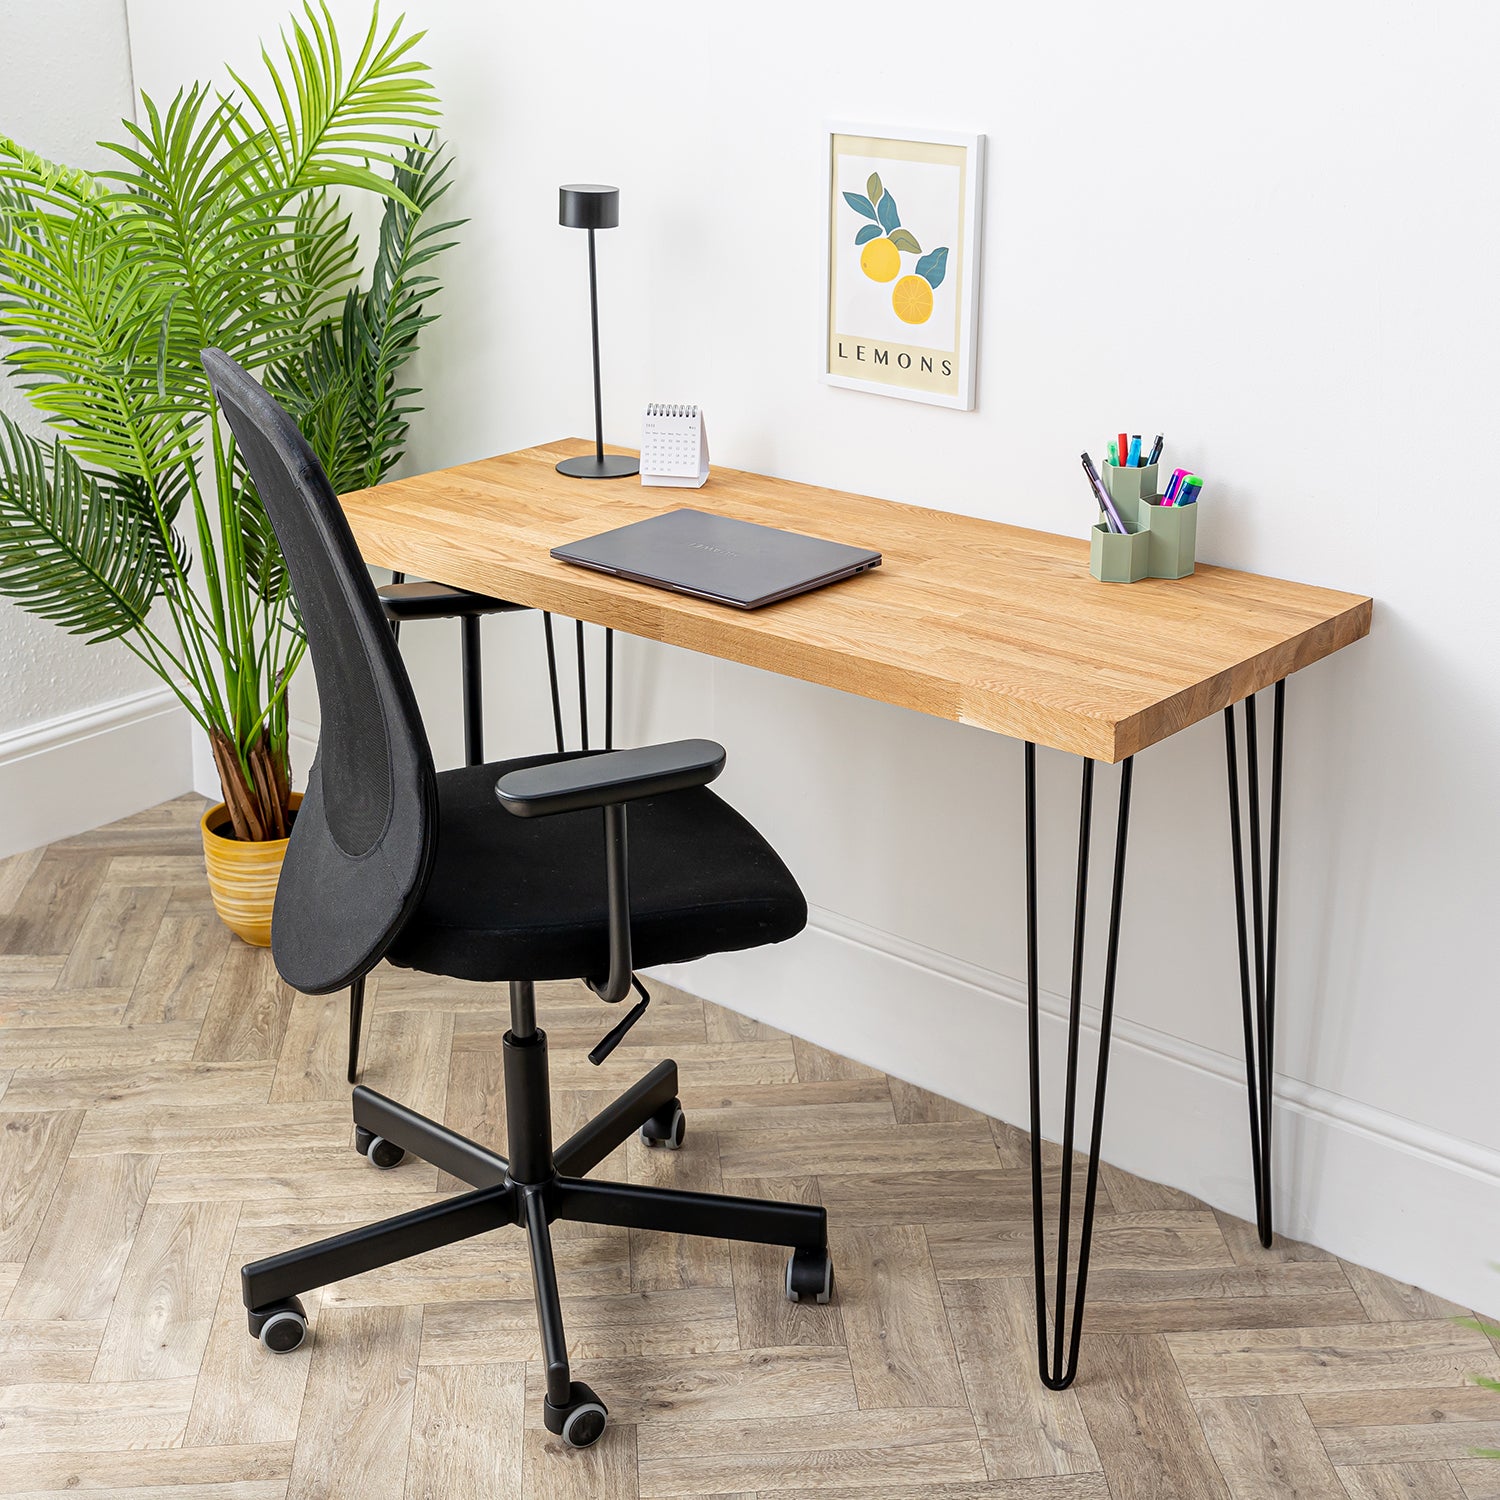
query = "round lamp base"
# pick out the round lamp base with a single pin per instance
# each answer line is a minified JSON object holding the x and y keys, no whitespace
{"x":611,"y":466}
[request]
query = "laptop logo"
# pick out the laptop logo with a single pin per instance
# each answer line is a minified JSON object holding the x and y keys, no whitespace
{"x":709,"y":547}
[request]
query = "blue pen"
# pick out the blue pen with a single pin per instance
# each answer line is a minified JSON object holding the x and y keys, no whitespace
{"x":1134,"y":461}
{"x":1156,"y":448}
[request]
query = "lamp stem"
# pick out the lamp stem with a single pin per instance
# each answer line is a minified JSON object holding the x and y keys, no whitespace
{"x":594,"y":313}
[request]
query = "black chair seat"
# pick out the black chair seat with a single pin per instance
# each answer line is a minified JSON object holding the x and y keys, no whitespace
{"x":437,"y":601}
{"x":505,"y":897}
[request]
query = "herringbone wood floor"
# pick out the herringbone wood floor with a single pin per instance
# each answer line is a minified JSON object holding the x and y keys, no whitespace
{"x":170,"y":1110}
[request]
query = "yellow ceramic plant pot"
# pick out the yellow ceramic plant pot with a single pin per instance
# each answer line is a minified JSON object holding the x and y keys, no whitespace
{"x":242,"y":876}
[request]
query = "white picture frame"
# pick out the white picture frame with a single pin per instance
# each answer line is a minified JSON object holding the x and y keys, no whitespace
{"x":900,"y":321}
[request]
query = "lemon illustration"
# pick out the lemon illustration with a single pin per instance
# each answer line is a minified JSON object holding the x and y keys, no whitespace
{"x":911,"y":300}
{"x":880,"y":260}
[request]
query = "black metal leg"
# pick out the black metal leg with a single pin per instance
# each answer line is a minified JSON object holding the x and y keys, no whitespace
{"x":1258,"y":1003}
{"x":414,"y":1133}
{"x":552,"y":677}
{"x":356,"y":1017}
{"x":617,"y":1122}
{"x":632,"y":1206}
{"x":396,"y":624}
{"x":1058,"y":1359}
{"x":374,"y":1245}
{"x":473,"y":692}
{"x":609,"y":690}
{"x":548,"y":1303}
{"x":583,"y":691}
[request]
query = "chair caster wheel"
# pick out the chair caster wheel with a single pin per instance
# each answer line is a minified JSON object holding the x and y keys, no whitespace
{"x":281,"y":1327}
{"x":666,"y":1127}
{"x":580,"y":1423}
{"x":383,"y":1153}
{"x":809,"y":1276}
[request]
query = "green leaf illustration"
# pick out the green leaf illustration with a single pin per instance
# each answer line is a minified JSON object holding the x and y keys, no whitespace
{"x":886,"y":212}
{"x":873,"y":187}
{"x":933,"y":267}
{"x":869,"y":232}
{"x":904,"y":239}
{"x":860,"y":205}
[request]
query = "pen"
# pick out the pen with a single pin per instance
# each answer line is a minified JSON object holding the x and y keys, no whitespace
{"x":1135,"y":451}
{"x":1102,"y":496}
{"x":1124,"y":447}
{"x":1155,"y":449}
{"x":1173,"y":485}
{"x":1188,"y":494}
{"x":1114,"y":453}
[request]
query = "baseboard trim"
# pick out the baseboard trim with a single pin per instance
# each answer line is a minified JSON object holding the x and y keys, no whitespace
{"x":1386,"y":1191}
{"x":67,"y":775}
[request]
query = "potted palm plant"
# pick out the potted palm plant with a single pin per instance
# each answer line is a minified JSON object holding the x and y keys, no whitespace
{"x":220,"y":222}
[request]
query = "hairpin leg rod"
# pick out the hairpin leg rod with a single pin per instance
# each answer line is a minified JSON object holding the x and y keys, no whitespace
{"x":1256,"y":936}
{"x":552,"y":677}
{"x":1057,"y":1360}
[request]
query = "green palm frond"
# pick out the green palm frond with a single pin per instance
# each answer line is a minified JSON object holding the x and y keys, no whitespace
{"x":334,"y":126}
{"x":70,"y":551}
{"x":343,"y":388}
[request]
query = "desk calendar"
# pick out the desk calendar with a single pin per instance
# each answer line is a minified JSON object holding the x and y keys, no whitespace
{"x":674,"y":446}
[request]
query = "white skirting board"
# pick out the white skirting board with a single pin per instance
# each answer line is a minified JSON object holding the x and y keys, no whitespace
{"x":72,"y":773}
{"x":1371,"y":1186}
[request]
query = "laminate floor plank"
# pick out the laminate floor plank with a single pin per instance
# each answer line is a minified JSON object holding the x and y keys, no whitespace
{"x":80,"y":1251}
{"x":1142,"y":1421}
{"x":900,"y":1348}
{"x":161,"y":1317}
{"x":467,"y":1432}
{"x":1267,"y":1448}
{"x":34,"y":1150}
{"x":356,"y":1419}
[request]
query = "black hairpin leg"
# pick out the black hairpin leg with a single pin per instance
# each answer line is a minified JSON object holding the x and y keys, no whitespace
{"x":609,"y":689}
{"x":583,"y":691}
{"x":1057,"y":1361}
{"x":1258,"y":1003}
{"x":552,"y":677}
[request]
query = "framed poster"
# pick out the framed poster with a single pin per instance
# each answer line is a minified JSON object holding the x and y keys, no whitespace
{"x":904,"y":216}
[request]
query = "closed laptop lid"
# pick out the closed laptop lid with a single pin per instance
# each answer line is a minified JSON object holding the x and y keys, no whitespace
{"x":717,"y":557}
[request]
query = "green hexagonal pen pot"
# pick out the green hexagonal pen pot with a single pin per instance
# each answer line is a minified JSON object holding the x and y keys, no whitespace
{"x":1114,"y":558}
{"x":1173,"y":530}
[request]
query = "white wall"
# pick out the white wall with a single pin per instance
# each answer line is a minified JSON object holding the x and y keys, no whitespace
{"x":87,"y":733}
{"x":1273,"y":237}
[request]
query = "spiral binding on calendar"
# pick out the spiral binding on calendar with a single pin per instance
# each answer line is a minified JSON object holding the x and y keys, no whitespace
{"x":668,"y":409}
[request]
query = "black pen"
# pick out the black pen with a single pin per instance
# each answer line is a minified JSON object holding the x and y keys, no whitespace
{"x":1155,"y":449}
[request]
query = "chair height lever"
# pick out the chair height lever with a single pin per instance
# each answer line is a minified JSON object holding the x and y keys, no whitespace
{"x":614,"y":1037}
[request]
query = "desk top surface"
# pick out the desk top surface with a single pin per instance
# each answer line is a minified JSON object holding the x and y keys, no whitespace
{"x":969,"y":620}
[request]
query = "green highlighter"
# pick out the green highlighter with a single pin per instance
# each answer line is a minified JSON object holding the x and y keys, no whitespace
{"x":1190,"y":488}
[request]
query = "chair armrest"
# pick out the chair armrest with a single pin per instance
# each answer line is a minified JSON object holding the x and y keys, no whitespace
{"x":436,"y":601}
{"x":609,"y":779}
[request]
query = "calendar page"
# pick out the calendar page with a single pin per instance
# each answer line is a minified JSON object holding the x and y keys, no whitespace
{"x":674,"y":446}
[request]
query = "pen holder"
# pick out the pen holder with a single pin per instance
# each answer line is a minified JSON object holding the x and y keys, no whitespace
{"x":1173,"y":530}
{"x":1127,"y":488}
{"x":1114,"y":558}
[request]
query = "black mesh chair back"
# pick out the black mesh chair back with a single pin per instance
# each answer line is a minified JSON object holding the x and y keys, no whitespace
{"x":365,"y":837}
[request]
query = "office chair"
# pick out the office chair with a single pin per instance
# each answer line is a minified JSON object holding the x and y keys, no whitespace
{"x":555,"y":866}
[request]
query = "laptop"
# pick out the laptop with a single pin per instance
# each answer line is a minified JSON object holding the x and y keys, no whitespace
{"x":716,"y":558}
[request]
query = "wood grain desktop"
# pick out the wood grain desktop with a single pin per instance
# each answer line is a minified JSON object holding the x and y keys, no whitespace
{"x":970,"y":620}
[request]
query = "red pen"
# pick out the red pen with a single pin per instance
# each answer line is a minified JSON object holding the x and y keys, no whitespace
{"x":1124,"y":448}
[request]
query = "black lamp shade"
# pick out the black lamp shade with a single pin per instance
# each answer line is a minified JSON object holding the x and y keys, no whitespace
{"x":588,"y":205}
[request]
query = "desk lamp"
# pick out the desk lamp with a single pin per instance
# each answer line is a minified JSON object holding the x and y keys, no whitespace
{"x":591,"y":206}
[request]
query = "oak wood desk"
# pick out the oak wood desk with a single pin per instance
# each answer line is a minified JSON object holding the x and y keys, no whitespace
{"x":969,"y":620}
